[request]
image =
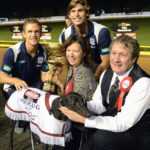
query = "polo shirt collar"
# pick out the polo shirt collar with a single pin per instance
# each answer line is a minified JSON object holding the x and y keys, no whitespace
{"x":23,"y":48}
{"x":90,"y":29}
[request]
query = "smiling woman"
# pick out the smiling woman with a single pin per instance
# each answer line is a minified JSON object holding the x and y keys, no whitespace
{"x":74,"y":55}
{"x":80,"y":78}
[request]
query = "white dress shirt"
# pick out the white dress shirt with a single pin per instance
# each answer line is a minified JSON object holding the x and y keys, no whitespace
{"x":136,"y":103}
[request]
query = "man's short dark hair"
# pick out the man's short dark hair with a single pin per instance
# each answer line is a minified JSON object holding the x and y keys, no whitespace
{"x":30,"y":21}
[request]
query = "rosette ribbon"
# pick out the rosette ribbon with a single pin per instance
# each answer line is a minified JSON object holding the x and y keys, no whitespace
{"x":125,"y":86}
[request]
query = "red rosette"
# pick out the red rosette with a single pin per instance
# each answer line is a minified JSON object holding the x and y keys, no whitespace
{"x":125,"y":86}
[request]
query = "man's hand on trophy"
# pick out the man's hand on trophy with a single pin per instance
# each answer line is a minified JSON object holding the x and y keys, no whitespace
{"x":46,"y":76}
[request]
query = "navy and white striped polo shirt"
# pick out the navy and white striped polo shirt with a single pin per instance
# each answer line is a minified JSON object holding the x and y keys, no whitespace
{"x":98,"y":37}
{"x":25,"y":67}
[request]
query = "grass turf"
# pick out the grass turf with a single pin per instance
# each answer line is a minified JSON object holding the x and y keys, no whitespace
{"x":142,"y":34}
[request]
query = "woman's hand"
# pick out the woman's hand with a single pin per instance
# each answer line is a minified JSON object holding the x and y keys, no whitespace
{"x":72,"y":115}
{"x":46,"y":76}
{"x":56,"y":80}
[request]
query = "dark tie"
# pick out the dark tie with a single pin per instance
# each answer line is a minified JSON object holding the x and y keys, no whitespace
{"x":114,"y":91}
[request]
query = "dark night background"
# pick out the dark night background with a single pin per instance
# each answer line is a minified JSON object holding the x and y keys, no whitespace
{"x":47,"y":8}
